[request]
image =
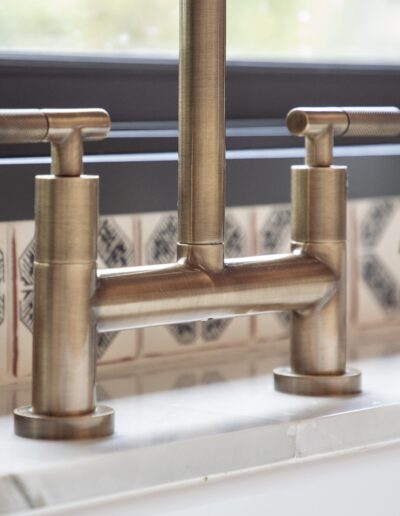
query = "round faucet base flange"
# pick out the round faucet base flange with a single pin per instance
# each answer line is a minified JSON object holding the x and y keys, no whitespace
{"x":287,"y":381}
{"x":99,"y":423}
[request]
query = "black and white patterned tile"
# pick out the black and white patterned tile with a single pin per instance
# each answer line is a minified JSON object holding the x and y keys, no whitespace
{"x":118,"y":246}
{"x":273,"y":236}
{"x":378,"y":261}
{"x":22,"y":241}
{"x":159,"y":236}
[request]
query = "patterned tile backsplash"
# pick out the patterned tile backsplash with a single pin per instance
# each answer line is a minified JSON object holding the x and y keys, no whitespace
{"x":128,"y":240}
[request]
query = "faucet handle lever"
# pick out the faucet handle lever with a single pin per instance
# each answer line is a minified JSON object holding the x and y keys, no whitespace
{"x":372,"y":121}
{"x":65,"y":129}
{"x":320,"y":125}
{"x":22,"y":126}
{"x":344,"y":121}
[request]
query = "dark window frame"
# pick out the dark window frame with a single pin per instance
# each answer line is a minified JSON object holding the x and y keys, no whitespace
{"x":146,"y":90}
{"x":142,"y":98}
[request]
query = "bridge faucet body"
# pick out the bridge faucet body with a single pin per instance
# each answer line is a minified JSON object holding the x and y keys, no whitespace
{"x":73,"y":300}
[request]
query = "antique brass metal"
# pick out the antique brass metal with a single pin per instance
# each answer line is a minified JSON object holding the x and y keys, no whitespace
{"x":73,"y":299}
{"x":64,"y":339}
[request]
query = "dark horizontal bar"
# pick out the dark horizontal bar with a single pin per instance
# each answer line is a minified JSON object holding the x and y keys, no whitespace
{"x":145,"y":90}
{"x":148,"y":182}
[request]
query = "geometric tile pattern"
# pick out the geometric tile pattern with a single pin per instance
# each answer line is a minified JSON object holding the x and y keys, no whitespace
{"x":274,"y":230}
{"x":113,"y":246}
{"x":25,"y":263}
{"x":115,"y":249}
{"x":375,"y":237}
{"x":235,"y":237}
{"x":378,"y":257}
{"x":273,"y":236}
{"x":374,"y":222}
{"x":161,"y":246}
{"x":382,"y":284}
{"x":376,"y":275}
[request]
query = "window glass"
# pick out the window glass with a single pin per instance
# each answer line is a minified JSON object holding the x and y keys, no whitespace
{"x":273,"y":30}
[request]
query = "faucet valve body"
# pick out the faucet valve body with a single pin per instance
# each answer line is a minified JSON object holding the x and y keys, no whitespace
{"x":64,"y":340}
{"x":318,"y":335}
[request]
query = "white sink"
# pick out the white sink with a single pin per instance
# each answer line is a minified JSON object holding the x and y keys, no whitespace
{"x":359,"y":483}
{"x":229,"y":447}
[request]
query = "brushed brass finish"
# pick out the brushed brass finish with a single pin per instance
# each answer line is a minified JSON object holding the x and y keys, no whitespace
{"x":323,"y":218}
{"x":320,"y":125}
{"x":319,"y":192}
{"x":99,"y":423}
{"x":164,"y":294}
{"x":66,"y":213}
{"x":349,"y":382}
{"x":67,"y":129}
{"x":64,"y":276}
{"x":64,"y":340}
{"x":201,"y":186}
{"x":23,"y":126}
{"x":344,"y":121}
{"x":318,"y":337}
{"x":204,"y":256}
{"x":73,"y":299}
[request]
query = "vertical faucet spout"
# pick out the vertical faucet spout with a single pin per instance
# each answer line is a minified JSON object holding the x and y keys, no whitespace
{"x":202,"y":133}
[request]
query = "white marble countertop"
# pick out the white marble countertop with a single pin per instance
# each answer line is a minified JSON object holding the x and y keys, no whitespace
{"x":194,"y":420}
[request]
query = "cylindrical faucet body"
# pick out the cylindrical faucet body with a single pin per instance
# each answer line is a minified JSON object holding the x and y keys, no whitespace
{"x":318,"y":335}
{"x":64,"y":278}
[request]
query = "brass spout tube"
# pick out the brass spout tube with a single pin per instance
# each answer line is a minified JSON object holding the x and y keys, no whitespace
{"x":164,"y":294}
{"x":201,"y":125}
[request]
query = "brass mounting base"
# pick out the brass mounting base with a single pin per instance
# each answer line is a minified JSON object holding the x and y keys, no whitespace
{"x":317,"y":385}
{"x":99,"y":423}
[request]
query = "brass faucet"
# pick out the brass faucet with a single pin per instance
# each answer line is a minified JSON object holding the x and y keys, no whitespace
{"x":73,"y":299}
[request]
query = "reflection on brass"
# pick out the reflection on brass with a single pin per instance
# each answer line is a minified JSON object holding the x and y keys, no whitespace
{"x":64,"y":337}
{"x":98,"y":423}
{"x":201,"y":183}
{"x":73,"y":299}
